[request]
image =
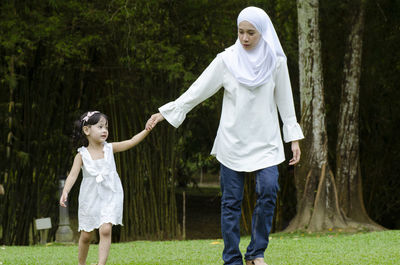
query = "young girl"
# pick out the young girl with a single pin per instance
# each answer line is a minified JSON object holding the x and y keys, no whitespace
{"x":101,"y":194}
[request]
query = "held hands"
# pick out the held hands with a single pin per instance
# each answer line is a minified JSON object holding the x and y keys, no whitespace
{"x":63,"y":199}
{"x":296,"y":153}
{"x":154,"y":119}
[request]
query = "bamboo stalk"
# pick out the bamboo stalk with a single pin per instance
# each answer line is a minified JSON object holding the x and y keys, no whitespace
{"x":184,"y":215}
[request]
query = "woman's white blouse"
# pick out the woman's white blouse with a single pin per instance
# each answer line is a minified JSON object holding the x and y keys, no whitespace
{"x":248,"y":137}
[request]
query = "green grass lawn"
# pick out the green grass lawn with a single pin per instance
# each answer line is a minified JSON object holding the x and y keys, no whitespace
{"x":328,"y":248}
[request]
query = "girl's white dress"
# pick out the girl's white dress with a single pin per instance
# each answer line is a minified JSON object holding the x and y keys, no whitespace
{"x":101,"y":195}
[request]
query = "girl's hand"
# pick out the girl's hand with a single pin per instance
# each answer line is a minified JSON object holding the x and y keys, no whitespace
{"x":154,"y":119}
{"x":296,"y":153}
{"x":63,"y":199}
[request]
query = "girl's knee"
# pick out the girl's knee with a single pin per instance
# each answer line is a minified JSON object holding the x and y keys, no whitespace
{"x":85,"y":237}
{"x":105,"y":230}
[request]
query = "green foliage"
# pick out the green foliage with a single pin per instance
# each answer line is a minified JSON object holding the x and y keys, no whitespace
{"x":380,"y":112}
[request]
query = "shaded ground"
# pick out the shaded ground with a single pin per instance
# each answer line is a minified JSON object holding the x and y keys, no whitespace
{"x":202,"y":212}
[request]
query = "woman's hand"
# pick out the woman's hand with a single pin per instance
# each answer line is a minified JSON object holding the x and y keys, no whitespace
{"x":154,"y":119}
{"x":296,"y":153}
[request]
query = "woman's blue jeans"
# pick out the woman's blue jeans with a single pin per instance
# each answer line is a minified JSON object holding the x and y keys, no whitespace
{"x":232,"y":185}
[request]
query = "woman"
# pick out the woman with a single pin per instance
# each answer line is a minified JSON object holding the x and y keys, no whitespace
{"x":255,"y":77}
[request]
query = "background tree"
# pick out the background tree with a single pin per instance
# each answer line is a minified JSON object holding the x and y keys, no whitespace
{"x":348,"y":170}
{"x":317,"y":201}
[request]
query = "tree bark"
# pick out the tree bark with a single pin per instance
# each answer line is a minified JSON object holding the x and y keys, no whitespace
{"x":317,"y":200}
{"x":348,"y":174}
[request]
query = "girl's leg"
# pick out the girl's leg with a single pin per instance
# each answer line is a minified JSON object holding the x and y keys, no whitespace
{"x":105,"y":242}
{"x":84,"y":243}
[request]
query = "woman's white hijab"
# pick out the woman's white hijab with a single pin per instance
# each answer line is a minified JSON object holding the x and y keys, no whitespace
{"x":254,"y":67}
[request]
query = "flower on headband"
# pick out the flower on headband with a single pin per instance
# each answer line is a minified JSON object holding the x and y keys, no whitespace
{"x":88,"y":115}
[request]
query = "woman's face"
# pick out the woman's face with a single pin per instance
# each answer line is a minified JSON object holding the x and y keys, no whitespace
{"x":248,"y":35}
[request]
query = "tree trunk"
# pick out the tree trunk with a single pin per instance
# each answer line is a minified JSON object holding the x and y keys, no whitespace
{"x":317,"y":200}
{"x":348,"y":175}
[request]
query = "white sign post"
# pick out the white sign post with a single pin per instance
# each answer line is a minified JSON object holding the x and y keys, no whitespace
{"x":42,"y":225}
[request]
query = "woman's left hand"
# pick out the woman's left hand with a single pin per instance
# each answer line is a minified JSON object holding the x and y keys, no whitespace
{"x":296,"y":153}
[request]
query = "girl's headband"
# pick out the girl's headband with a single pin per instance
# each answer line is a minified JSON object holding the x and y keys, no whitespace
{"x":88,"y":115}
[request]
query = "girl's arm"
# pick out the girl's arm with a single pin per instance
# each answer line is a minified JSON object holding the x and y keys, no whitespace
{"x":125,"y":145}
{"x":72,"y":176}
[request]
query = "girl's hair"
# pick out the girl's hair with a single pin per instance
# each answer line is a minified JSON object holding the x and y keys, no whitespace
{"x":87,"y":119}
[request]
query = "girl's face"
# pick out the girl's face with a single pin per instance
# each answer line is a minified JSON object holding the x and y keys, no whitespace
{"x":97,"y":132}
{"x":248,"y":35}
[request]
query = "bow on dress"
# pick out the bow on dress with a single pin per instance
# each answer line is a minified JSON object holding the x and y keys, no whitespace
{"x":105,"y":175}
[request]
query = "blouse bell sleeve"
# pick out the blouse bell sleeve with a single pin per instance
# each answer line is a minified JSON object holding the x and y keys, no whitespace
{"x":206,"y":85}
{"x":284,"y":100}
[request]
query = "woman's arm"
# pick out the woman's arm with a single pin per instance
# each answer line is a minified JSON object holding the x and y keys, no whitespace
{"x":128,"y":144}
{"x":284,"y":100}
{"x":206,"y":85}
{"x":72,"y":176}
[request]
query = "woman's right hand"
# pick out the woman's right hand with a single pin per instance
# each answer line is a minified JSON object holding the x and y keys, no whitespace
{"x":63,"y":199}
{"x":154,"y":119}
